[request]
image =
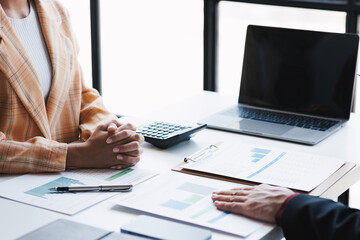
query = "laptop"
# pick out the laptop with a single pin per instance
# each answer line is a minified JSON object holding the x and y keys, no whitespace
{"x":296,"y":85}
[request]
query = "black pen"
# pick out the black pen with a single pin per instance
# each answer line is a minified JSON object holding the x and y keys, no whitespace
{"x":105,"y":188}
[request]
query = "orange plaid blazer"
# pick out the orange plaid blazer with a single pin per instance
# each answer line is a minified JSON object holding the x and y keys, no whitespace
{"x":34,"y":135}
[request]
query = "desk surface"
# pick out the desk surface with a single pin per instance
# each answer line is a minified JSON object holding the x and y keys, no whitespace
{"x":17,"y":219}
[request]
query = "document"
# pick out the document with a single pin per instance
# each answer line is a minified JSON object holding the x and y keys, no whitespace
{"x":188,"y":198}
{"x":261,"y":164}
{"x":33,"y":189}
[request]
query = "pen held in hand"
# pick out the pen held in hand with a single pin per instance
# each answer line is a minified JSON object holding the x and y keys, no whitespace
{"x":101,"y":188}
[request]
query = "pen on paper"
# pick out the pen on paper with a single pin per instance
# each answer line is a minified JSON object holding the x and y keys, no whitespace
{"x":100,"y":188}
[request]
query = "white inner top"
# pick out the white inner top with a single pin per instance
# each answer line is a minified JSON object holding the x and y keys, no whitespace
{"x":30,"y":34}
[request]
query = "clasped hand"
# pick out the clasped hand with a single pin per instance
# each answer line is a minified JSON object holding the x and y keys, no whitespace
{"x":111,"y":145}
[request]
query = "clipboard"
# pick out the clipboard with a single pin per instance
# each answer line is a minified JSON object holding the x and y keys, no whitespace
{"x":208,"y":150}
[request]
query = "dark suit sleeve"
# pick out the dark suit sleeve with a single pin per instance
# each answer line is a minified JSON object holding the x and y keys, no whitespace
{"x":307,"y":217}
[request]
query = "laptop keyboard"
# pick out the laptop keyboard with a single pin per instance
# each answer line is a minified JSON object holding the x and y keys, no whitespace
{"x":282,"y":118}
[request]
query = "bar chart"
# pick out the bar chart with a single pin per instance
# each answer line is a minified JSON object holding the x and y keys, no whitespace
{"x":259,"y":153}
{"x":188,"y":198}
{"x":43,"y":190}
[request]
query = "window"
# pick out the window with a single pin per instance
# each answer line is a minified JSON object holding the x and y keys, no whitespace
{"x":152,"y":53}
{"x":234,"y":18}
{"x":80,"y":18}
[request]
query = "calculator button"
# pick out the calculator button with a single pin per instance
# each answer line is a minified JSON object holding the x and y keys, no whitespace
{"x":164,"y":134}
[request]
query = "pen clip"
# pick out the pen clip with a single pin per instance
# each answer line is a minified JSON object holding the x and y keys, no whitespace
{"x":128,"y":189}
{"x":202,"y":153}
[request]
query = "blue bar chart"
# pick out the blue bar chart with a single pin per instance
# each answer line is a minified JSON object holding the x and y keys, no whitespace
{"x":43,"y":190}
{"x":259,"y":153}
{"x":188,"y":198}
{"x":195,"y":193}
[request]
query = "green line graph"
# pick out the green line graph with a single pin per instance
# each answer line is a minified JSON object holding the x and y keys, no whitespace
{"x":115,"y":176}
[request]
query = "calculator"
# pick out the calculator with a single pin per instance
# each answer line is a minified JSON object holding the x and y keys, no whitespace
{"x":164,"y":135}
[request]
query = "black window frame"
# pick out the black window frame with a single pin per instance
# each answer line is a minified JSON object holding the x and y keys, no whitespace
{"x":350,"y":7}
{"x":211,"y":8}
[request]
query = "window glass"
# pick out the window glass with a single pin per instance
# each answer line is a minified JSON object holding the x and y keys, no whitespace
{"x":234,"y":18}
{"x":80,"y":18}
{"x":152,"y":53}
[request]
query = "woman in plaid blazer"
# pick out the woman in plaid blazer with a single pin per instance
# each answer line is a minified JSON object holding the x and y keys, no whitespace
{"x":71,"y":128}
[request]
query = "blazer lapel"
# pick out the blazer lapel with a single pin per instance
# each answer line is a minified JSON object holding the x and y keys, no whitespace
{"x":18,"y":68}
{"x":61,"y":54}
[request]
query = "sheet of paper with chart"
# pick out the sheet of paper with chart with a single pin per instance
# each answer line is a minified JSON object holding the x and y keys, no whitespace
{"x":188,"y":198}
{"x":262,"y":164}
{"x":33,"y":188}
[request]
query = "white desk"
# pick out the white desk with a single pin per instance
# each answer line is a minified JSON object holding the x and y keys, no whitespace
{"x":17,"y":219}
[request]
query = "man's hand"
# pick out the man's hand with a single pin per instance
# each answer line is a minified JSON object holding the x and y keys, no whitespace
{"x":261,"y":202}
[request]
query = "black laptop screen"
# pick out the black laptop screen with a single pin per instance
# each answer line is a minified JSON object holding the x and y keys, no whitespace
{"x":299,"y":71}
